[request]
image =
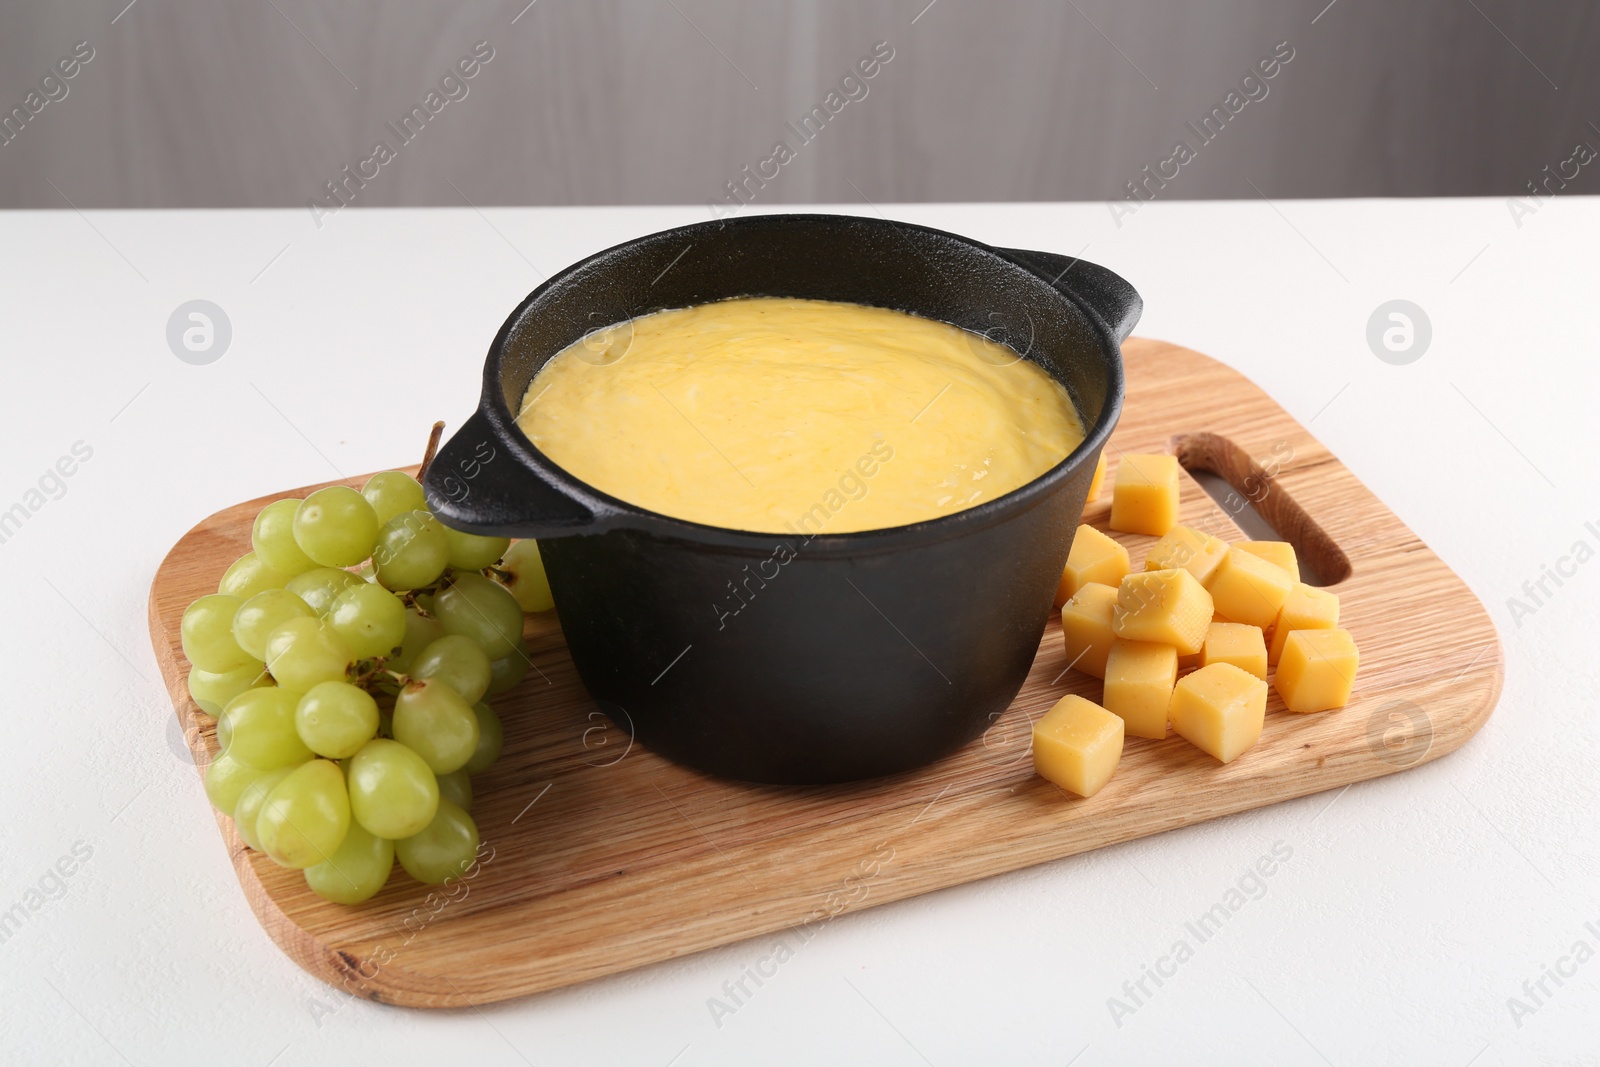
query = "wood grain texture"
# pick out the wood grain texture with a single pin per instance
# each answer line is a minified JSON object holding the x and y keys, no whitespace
{"x":606,"y":857}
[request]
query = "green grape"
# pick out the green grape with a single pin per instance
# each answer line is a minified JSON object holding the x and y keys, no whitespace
{"x":272,"y":536}
{"x":485,"y":611}
{"x":249,"y":575}
{"x":392,"y":792}
{"x":212,"y":691}
{"x":303,"y":652}
{"x":392,"y":493}
{"x":246,"y":811}
{"x":336,"y":526}
{"x":304,"y":819}
{"x":433,"y":721}
{"x":356,"y":871}
{"x":528,"y":581}
{"x":491,"y":739}
{"x":261,"y":729}
{"x":470,"y":552}
{"x":371,"y":620}
{"x":320,"y":587}
{"x":457,"y":662}
{"x":335,"y":719}
{"x":412,"y":551}
{"x":207,"y":631}
{"x":456,"y":787}
{"x":263,"y":613}
{"x":226,"y":779}
{"x":421,"y":631}
{"x":507,"y":671}
{"x":444,"y":850}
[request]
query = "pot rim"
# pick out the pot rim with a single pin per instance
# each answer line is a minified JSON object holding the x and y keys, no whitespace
{"x":613,"y":513}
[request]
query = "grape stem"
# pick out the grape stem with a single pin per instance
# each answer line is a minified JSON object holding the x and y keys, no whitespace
{"x":368,"y":671}
{"x":409,"y":597}
{"x":433,"y":447}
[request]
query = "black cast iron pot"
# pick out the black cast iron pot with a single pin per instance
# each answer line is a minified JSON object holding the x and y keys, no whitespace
{"x":798,"y":658}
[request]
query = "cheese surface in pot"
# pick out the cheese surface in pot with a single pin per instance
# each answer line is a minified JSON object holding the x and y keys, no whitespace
{"x":807,"y":416}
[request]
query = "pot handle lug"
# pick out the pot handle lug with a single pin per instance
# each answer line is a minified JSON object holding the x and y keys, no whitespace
{"x":476,"y":484}
{"x":1107,"y":296}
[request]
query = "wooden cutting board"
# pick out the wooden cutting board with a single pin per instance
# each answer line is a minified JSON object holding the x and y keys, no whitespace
{"x":601,"y":856}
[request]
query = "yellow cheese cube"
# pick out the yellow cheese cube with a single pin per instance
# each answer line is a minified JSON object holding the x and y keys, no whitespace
{"x":1086,"y":625}
{"x":1278,"y":553}
{"x":1145,"y":497}
{"x":1308,"y":608}
{"x":1167,"y":607}
{"x":1317,"y":670}
{"x":1237,"y":643}
{"x":1097,"y":480}
{"x":1194,"y":551}
{"x":1077,"y":745}
{"x":1246,"y":588}
{"x":1219,"y":709}
{"x":1139,"y":680}
{"x":1094,"y":557}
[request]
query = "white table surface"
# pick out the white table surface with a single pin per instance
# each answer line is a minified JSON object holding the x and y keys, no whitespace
{"x":1410,"y":912}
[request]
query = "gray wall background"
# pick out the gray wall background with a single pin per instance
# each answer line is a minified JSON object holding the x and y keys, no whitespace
{"x":189,"y":103}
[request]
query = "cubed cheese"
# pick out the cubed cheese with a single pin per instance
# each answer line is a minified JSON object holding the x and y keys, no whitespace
{"x":1094,"y":557}
{"x":1077,"y":745}
{"x":1237,"y":643}
{"x":1246,"y":588}
{"x":1278,"y":553}
{"x":1219,"y":709}
{"x":1086,"y":625}
{"x":1167,"y":607}
{"x":1139,"y":680}
{"x":1145,"y":497}
{"x":1317,"y":670}
{"x":1308,"y":608}
{"x":1194,"y":551}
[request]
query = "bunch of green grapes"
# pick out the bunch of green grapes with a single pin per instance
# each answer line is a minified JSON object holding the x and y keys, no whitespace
{"x":348,"y":660}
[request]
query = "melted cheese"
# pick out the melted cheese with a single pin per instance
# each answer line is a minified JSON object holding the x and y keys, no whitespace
{"x":805,"y":416}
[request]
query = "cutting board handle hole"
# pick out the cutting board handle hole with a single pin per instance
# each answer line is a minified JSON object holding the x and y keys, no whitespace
{"x":1249,"y":493}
